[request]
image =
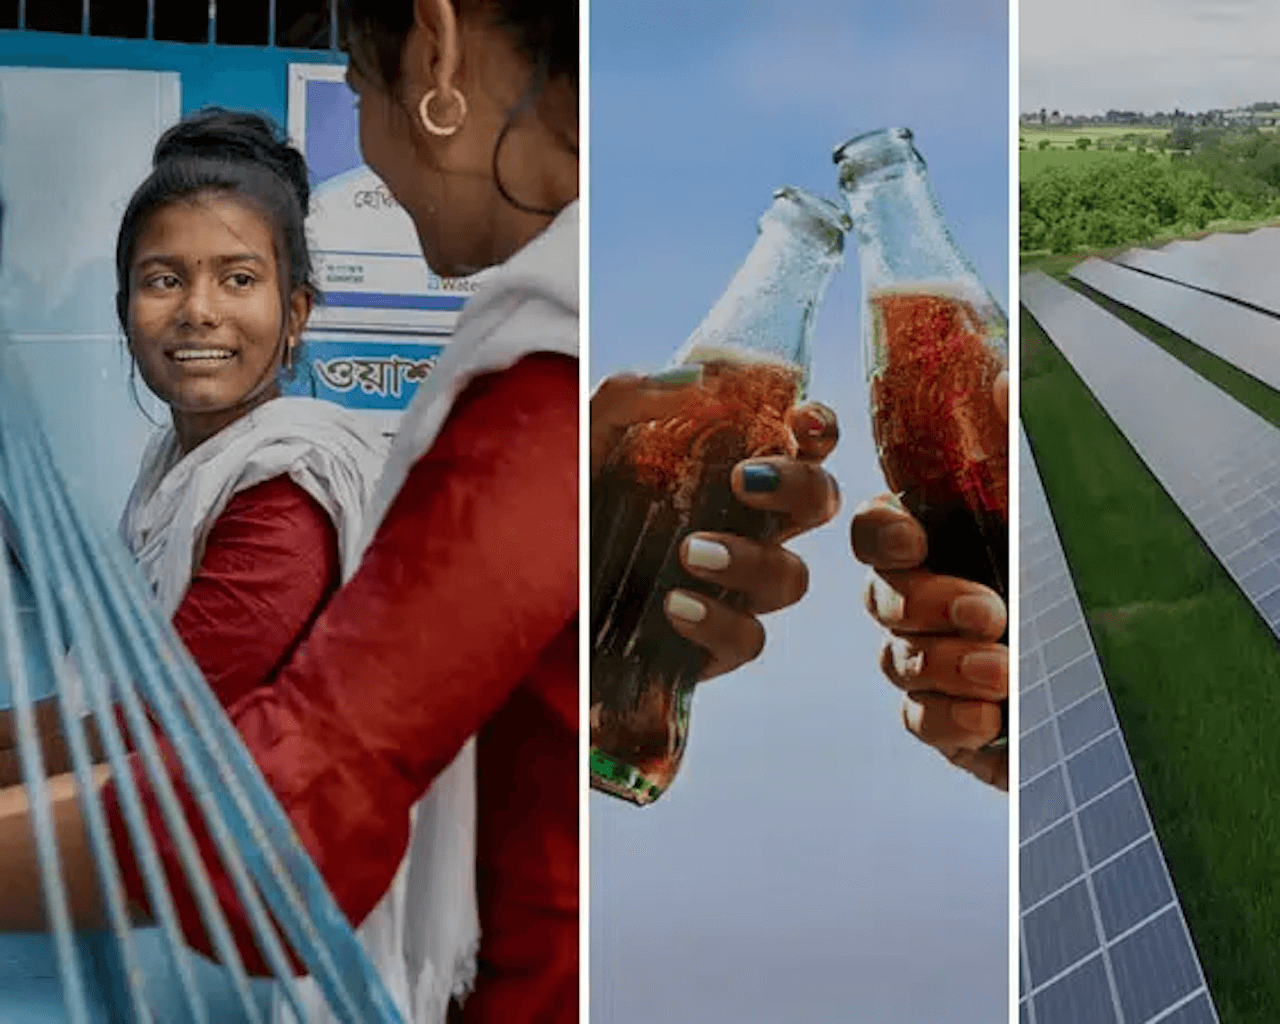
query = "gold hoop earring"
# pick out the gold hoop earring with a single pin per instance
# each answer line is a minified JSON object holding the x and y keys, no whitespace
{"x":424,"y":113}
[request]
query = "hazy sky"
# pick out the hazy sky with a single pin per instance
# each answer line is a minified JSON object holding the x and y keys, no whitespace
{"x":813,"y":862}
{"x":1090,"y":56}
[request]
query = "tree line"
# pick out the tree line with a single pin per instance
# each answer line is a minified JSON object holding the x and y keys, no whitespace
{"x":1211,"y":174}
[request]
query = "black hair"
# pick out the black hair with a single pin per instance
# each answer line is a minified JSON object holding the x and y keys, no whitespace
{"x":374,"y":32}
{"x":239,"y":154}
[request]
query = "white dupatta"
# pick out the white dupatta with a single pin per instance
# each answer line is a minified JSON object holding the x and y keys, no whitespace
{"x":333,"y":454}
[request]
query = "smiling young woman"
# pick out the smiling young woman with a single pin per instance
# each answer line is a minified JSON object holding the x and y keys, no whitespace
{"x":204,"y":316}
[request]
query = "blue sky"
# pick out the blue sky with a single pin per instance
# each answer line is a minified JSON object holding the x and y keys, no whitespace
{"x":812,"y":862}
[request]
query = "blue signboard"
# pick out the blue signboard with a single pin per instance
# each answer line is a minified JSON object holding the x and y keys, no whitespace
{"x":376,"y":375}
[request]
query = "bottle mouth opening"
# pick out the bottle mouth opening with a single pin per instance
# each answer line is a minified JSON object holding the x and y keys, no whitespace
{"x":874,"y":151}
{"x":822,"y":214}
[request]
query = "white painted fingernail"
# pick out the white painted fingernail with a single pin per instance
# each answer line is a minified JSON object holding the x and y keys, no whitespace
{"x":907,"y":661}
{"x":682,"y":606}
{"x":888,"y":602}
{"x":706,"y":554}
{"x":912,"y":714}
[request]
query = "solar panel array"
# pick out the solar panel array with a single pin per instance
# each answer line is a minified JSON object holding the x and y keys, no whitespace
{"x":1243,"y":337}
{"x":1244,"y":268}
{"x":1224,"y":474}
{"x":1102,"y":937}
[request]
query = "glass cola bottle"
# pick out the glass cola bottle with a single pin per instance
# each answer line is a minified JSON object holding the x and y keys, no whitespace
{"x":666,"y":479}
{"x":934,"y":341}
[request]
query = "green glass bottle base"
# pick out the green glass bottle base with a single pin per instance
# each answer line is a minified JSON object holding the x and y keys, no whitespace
{"x":609,"y":775}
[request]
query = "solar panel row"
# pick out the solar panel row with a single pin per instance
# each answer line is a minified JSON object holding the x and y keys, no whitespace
{"x":1239,"y":270}
{"x":1243,"y":337}
{"x":1102,"y":936}
{"x":1224,"y":475}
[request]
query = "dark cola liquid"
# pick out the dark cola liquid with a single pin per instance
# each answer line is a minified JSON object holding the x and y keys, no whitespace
{"x":667,"y":481}
{"x":942,"y":444}
{"x":963,"y":541}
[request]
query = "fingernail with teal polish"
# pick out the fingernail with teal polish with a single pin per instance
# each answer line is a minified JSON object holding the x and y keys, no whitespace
{"x":676,"y":378}
{"x":760,"y":478}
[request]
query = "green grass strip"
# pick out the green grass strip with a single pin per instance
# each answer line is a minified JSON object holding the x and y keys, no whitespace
{"x":1193,"y":670}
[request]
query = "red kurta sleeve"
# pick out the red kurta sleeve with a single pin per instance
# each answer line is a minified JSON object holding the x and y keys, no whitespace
{"x":470,"y":578}
{"x":269,"y":564}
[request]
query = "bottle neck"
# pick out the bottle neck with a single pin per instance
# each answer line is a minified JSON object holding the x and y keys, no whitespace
{"x":902,"y":237}
{"x":768,"y":311}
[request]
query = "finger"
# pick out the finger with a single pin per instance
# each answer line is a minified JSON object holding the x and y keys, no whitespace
{"x":990,"y":766}
{"x":949,"y":723}
{"x":732,"y":638}
{"x":804,"y":492}
{"x":768,"y":576}
{"x":916,"y":601}
{"x":886,"y":536}
{"x":817,"y":431}
{"x":947,"y":665}
{"x":1000,"y":392}
{"x":626,"y":399}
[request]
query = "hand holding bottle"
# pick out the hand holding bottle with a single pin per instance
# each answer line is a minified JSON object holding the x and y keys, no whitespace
{"x":685,"y":539}
{"x":942,"y":647}
{"x":766,"y":575}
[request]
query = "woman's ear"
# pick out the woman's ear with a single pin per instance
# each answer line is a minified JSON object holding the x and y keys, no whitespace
{"x":432,"y":51}
{"x":301,"y":303}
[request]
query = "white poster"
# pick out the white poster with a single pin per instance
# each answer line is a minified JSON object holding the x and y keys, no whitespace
{"x":385,"y":317}
{"x":369,"y":264}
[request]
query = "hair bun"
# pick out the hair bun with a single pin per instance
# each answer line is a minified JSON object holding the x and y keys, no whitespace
{"x":217,"y":134}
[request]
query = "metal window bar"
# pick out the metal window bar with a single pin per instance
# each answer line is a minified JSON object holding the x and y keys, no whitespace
{"x":86,"y":22}
{"x":89,"y":598}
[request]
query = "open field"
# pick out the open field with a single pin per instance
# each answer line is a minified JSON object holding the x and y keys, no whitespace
{"x":1193,"y":671}
{"x":1034,"y":161}
{"x":1058,"y":136}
